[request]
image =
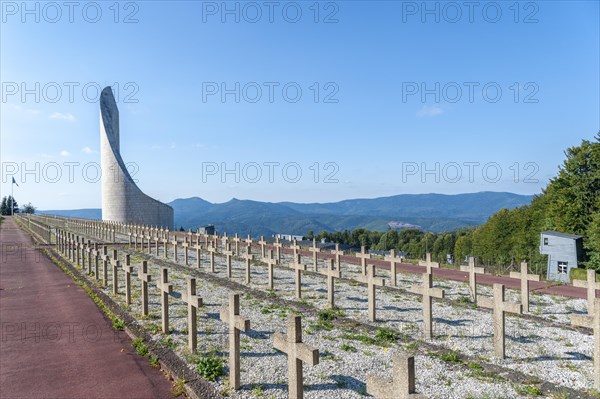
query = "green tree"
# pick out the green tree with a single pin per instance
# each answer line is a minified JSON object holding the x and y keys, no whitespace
{"x":4,"y":207}
{"x":28,"y":208}
{"x":6,"y":203}
{"x":570,"y":203}
{"x":573,"y":196}
{"x":463,"y":246}
{"x":593,"y":242}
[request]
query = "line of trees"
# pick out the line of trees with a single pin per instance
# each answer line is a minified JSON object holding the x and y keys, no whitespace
{"x":5,"y":206}
{"x":569,"y":204}
{"x":411,"y":241}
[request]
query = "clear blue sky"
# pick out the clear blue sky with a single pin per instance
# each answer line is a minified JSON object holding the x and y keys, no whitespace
{"x":370,"y":125}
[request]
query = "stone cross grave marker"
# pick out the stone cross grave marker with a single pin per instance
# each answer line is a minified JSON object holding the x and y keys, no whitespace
{"x":428,"y":292}
{"x":194,"y":302}
{"x":72,"y":247}
{"x":262,"y":243}
{"x":70,"y":240}
{"x":186,"y":255}
{"x":198,"y":248}
{"x":211,"y":255}
{"x":248,"y":257}
{"x":363,"y":256}
{"x":83,"y":252}
{"x":165,"y":241}
{"x":149,"y":239}
{"x":128,"y":269}
{"x":591,"y":286}
{"x":189,"y":237}
{"x":402,"y":384}
{"x":228,"y":254}
{"x":69,"y":245}
{"x":271,"y":262}
{"x":77,"y":246}
{"x":115,"y":272}
{"x":89,"y":255}
{"x":236,"y":242}
{"x":592,"y":322}
{"x":428,"y":263}
{"x":372,"y":282}
{"x":277,"y":245}
{"x":295,"y":248}
{"x":297,"y":354}
{"x":393,"y":271}
{"x":231,"y":315}
{"x":156,"y":242}
{"x":148,"y":235}
{"x":166,"y":289}
{"x":145,"y":278}
{"x":525,"y":279}
{"x":224,"y":240}
{"x":76,"y":259}
{"x":473,"y":271}
{"x":175,"y":243}
{"x":105,"y":258}
{"x":337,"y":254}
{"x":315,"y":252}
{"x":298,"y":268}
{"x":331,"y":275}
{"x":96,"y":261}
{"x":249,"y":243}
{"x":500,"y":307}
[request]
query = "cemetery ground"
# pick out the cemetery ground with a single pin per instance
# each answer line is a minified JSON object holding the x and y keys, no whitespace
{"x":545,"y":355}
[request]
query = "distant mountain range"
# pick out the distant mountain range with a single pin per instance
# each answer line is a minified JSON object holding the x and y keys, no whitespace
{"x":432,"y":212}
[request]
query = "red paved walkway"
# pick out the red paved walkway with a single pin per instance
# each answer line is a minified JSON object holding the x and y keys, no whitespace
{"x":55,"y":342}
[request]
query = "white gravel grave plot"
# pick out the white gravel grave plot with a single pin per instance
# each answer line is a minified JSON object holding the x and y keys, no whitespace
{"x":556,"y":308}
{"x":403,"y":312}
{"x":532,"y":347}
{"x":340,"y":374}
{"x":438,"y":380}
{"x":352,"y":298}
{"x":553,"y":354}
{"x":560,"y":356}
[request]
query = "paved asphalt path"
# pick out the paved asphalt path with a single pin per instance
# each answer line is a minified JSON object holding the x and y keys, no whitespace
{"x":55,"y":343}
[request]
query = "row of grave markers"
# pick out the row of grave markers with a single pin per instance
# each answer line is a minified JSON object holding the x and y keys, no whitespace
{"x":210,"y":243}
{"x":105,"y":229}
{"x":297,"y":352}
{"x":498,"y":304}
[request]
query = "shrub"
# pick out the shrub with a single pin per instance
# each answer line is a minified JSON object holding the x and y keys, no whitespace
{"x":210,"y":367}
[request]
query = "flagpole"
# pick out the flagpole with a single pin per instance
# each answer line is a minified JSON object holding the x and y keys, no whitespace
{"x":12,"y":197}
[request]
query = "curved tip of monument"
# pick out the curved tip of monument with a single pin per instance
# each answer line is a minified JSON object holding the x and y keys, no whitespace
{"x":107,"y":97}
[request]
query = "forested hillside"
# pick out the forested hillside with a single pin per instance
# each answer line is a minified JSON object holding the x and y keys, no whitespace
{"x":570,"y":204}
